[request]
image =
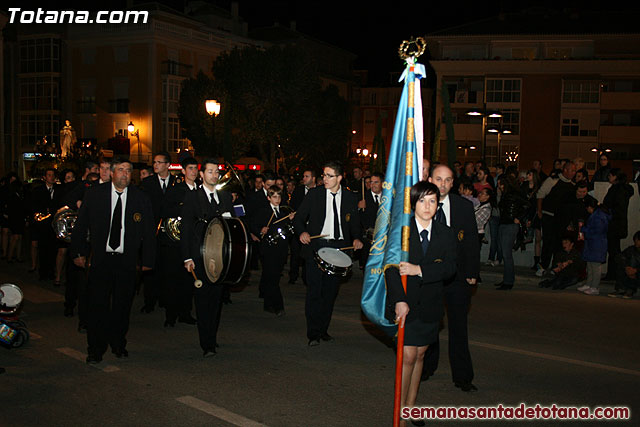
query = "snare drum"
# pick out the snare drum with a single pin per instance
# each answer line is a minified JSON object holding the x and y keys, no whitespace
{"x":10,"y":298}
{"x":333,"y":261}
{"x":280,"y":233}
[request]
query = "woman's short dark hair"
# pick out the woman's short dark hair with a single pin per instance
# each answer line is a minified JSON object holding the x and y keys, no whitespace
{"x":421,"y":189}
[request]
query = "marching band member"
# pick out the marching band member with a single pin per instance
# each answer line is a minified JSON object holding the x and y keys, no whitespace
{"x":119,"y":221}
{"x":175,"y":283}
{"x":274,"y":255}
{"x":332,"y":212}
{"x":308,"y":182}
{"x":200,"y":207}
{"x":156,"y":187}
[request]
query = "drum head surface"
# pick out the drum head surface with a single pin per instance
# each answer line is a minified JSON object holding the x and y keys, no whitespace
{"x":335,"y":257}
{"x":10,"y":295}
{"x":212,"y":256}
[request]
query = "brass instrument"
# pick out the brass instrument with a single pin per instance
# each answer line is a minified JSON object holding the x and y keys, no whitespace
{"x":63,"y":222}
{"x":171,"y":227}
{"x":41,"y":216}
{"x":230,"y":181}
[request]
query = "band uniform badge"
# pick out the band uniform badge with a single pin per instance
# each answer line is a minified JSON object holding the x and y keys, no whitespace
{"x":460,"y":235}
{"x":347,"y":217}
{"x":137,"y":217}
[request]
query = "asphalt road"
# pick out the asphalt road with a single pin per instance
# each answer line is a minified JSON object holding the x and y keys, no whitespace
{"x":528,"y":345}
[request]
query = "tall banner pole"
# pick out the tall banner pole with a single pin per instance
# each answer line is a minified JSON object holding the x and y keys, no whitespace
{"x":409,"y":51}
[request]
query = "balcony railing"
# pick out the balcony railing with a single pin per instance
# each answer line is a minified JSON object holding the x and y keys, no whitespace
{"x":175,"y":68}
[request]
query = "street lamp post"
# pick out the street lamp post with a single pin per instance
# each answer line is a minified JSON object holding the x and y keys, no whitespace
{"x":485,"y":115}
{"x":213,"y":109}
{"x":130,"y":129}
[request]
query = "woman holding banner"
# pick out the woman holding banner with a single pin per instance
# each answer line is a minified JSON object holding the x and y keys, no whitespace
{"x":432,"y":259}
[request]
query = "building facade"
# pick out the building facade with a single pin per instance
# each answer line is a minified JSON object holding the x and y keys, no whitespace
{"x":559,"y":95}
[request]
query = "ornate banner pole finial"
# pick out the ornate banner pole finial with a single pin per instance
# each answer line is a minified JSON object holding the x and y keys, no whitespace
{"x":412,"y":48}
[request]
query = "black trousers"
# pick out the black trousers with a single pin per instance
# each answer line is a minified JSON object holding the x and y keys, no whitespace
{"x":549,"y":240}
{"x":110,"y":295}
{"x":322,"y":290}
{"x":458,"y":298}
{"x":46,"y":250}
{"x":613,"y":248}
{"x":273,"y":259}
{"x":75,"y":292}
{"x":151,"y":280}
{"x":208,"y":302}
{"x":175,"y":283}
{"x":295,"y":261}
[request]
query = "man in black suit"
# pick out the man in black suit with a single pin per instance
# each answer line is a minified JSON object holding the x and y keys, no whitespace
{"x":369,"y":208}
{"x":457,"y":213}
{"x":176,"y":285}
{"x":119,"y":221}
{"x":333,"y":212}
{"x":156,"y":187}
{"x":256,"y":202}
{"x":200,"y":207}
{"x":308,"y":182}
{"x":45,"y":198}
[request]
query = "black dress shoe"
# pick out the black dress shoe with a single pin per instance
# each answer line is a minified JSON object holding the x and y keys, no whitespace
{"x":498,"y":284}
{"x":418,"y":422}
{"x":93,"y":359}
{"x":82,"y":328}
{"x":209,"y":352}
{"x":189,"y":320}
{"x":326,"y":337}
{"x":121,"y":353}
{"x":426,"y":373}
{"x":504,"y":288}
{"x":280,"y":313}
{"x":466,"y":387}
{"x":313,"y":343}
{"x":68,"y":312}
{"x":168,"y":323}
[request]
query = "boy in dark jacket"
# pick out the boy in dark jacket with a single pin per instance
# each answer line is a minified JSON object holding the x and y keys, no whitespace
{"x":569,"y":264}
{"x":627,"y":278}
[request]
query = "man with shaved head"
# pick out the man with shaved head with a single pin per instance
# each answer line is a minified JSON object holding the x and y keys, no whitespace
{"x":457,"y":213}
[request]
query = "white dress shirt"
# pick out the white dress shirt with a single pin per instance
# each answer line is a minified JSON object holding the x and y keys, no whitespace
{"x":446,"y":208}
{"x":327,"y":228}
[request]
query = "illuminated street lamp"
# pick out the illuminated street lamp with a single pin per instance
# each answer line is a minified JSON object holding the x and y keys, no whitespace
{"x":213,"y":109}
{"x":484,"y":113}
{"x":130,"y":129}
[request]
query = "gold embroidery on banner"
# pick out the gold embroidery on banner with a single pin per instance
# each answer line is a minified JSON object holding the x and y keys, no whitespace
{"x":408,"y":167}
{"x":405,"y":238}
{"x":410,"y":129}
{"x":411,"y":94}
{"x":407,"y":200}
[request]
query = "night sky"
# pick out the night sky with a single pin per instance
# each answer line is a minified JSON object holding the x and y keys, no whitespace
{"x":373,"y":33}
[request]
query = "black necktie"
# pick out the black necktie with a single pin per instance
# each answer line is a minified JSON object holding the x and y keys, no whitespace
{"x":440,"y":216}
{"x":213,"y":199}
{"x":377,"y":202}
{"x":164,"y":185}
{"x":277,"y":212}
{"x":424,"y":234}
{"x":116,"y":224}
{"x":336,"y":219}
{"x":51,"y":193}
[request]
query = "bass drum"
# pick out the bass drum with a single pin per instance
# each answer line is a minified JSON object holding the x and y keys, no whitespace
{"x":225,"y":250}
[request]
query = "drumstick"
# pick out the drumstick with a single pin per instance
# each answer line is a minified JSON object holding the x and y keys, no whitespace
{"x":282,"y":219}
{"x":319,"y":235}
{"x":272,"y":214}
{"x":345,"y":249}
{"x":362,"y":188}
{"x":198,"y":282}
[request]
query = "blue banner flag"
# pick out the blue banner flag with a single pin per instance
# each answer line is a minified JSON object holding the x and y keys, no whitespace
{"x":394,"y":213}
